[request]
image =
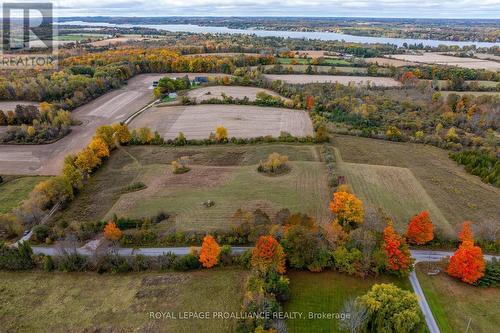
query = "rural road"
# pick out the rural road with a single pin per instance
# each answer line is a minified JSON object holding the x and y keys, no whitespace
{"x":419,"y":255}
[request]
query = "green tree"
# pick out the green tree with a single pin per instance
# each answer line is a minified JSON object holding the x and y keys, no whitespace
{"x":391,"y":309}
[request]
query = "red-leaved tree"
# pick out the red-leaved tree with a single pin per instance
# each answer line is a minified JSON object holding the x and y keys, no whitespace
{"x":467,"y":263}
{"x":420,"y":229}
{"x":210,"y":251}
{"x":268,"y":255}
{"x":398,"y":255}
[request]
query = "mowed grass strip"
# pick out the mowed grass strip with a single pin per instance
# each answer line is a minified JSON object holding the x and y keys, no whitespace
{"x":14,"y":191}
{"x":89,"y":302}
{"x":303,"y":190}
{"x":454,"y":303}
{"x":458,"y":195}
{"x":326,"y":292}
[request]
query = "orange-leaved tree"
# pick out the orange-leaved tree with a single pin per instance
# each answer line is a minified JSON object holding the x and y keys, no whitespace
{"x":348,"y":209}
{"x":122,"y":133}
{"x":420,"y":229}
{"x":112,"y":232}
{"x":99,"y":147}
{"x":309,"y":102}
{"x":398,"y":255}
{"x":210,"y":251}
{"x":467,"y":263}
{"x":268,"y":255}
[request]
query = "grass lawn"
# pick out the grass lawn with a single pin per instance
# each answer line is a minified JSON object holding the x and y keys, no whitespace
{"x":88,"y":302}
{"x":327,"y":292}
{"x":457,"y":194}
{"x":225,"y":174}
{"x":14,"y":190}
{"x":453,"y":303}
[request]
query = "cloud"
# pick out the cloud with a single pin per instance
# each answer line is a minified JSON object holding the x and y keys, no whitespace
{"x":359,"y":8}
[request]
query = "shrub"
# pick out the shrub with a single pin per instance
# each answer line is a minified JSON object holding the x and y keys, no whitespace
{"x":16,"y":259}
{"x":48,"y":264}
{"x":72,"y":262}
{"x":41,"y":232}
{"x":186,"y":263}
{"x":180,"y":166}
{"x":491,"y":276}
{"x":275,"y":164}
{"x":166,"y":261}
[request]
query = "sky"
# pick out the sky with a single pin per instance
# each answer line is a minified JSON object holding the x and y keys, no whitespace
{"x":355,"y":8}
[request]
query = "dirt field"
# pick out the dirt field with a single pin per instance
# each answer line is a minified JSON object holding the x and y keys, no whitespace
{"x":11,"y":105}
{"x":457,"y":194}
{"x":441,"y":59}
{"x":89,"y":302}
{"x":112,"y":107}
{"x":241,"y":121}
{"x":359,"y":80}
{"x":487,"y":56}
{"x":224,"y":173}
{"x":204,"y":93}
{"x":117,"y":40}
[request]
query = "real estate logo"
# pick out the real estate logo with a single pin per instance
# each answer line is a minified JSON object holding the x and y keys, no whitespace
{"x":28,"y":36}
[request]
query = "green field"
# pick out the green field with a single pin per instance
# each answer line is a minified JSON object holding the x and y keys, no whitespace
{"x":393,"y":188}
{"x":14,"y":190}
{"x":80,"y":37}
{"x":454,"y":303}
{"x":302,"y":61}
{"x":458,"y":195}
{"x":89,"y":302}
{"x":225,"y":174}
{"x":326,"y":292}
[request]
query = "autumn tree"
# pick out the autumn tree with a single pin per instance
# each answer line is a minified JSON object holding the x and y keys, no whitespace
{"x":391,"y":309}
{"x":71,"y":172}
{"x":221,"y":134}
{"x":309,"y":102}
{"x":398,"y":255}
{"x":268,"y":256}
{"x":467,"y":263}
{"x":420,"y":229}
{"x":106,"y":132}
{"x":348,"y":209}
{"x":122,"y":133}
{"x":87,"y":160}
{"x":112,"y":232}
{"x":210,"y":251}
{"x":99,"y":147}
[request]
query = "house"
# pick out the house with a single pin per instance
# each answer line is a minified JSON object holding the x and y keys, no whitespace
{"x":200,"y":79}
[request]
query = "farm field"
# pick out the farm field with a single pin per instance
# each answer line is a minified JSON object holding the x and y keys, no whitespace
{"x":302,"y":61}
{"x":453,"y":303}
{"x":209,"y":92}
{"x":359,"y":80}
{"x":389,"y":62}
{"x":90,"y":302}
{"x":225,"y":174}
{"x":475,"y":93}
{"x":458,"y":195}
{"x":441,"y":59}
{"x":326,"y":292}
{"x":241,"y":121}
{"x":14,"y":190}
{"x":393,"y":188}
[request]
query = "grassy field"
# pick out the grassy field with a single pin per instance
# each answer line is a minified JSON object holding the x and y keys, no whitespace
{"x":224,"y":174}
{"x":458,"y":195}
{"x":88,"y":302}
{"x":394,"y":188}
{"x":326,"y":292}
{"x":453,"y":303}
{"x":302,"y":61}
{"x":14,"y":190}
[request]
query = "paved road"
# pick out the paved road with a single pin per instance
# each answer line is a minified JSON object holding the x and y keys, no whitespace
{"x":430,"y":255}
{"x":112,"y":107}
{"x":150,"y":252}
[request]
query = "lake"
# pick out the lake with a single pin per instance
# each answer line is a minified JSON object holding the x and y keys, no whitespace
{"x":327,"y":36}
